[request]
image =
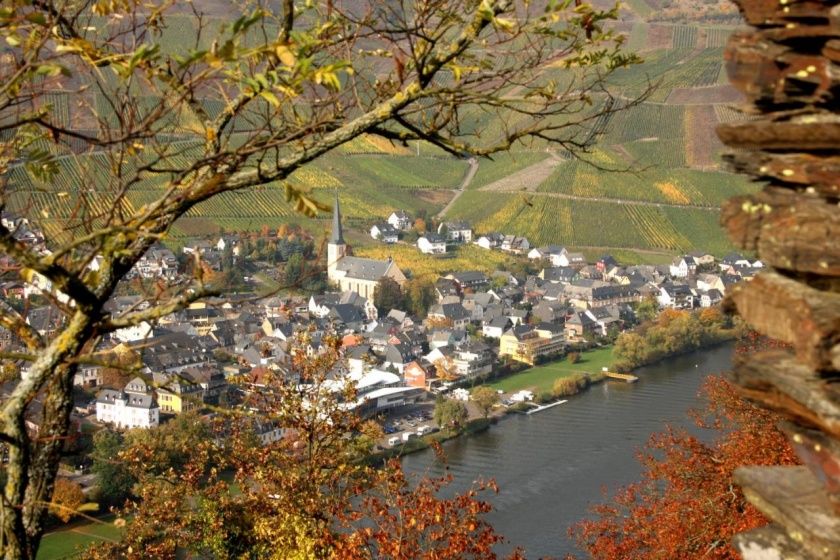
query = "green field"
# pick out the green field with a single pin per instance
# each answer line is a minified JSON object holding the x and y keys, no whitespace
{"x":66,"y":543}
{"x":542,"y":378}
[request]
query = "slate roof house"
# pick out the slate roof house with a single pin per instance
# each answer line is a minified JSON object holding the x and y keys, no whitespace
{"x":133,"y":407}
{"x":472,"y":279}
{"x":385,"y":232}
{"x":399,"y":220}
{"x":452,"y":313}
{"x":459,"y":231}
{"x":432,"y":244}
{"x":490,"y":240}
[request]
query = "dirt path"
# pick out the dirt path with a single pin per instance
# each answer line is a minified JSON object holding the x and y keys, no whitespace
{"x":462,"y":187}
{"x":527,"y":179}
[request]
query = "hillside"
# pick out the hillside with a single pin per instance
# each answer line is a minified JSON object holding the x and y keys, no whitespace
{"x":652,"y":179}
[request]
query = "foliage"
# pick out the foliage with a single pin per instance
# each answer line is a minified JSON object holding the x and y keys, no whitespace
{"x":387,"y":296}
{"x":419,"y":296}
{"x":294,"y":270}
{"x":426,"y":268}
{"x":647,"y":309}
{"x":450,"y":414}
{"x":428,"y":527}
{"x":573,"y":357}
{"x":672,"y":332}
{"x":113,"y":478}
{"x":686,"y":505}
{"x":66,"y":498}
{"x":564,"y":387}
{"x":485,"y":398}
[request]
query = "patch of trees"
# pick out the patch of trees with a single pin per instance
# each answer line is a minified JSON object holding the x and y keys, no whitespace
{"x":416,"y":298}
{"x":672,"y":332}
{"x":450,"y":414}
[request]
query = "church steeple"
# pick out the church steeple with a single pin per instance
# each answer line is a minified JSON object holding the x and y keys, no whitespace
{"x":336,"y":247}
{"x":336,"y":238}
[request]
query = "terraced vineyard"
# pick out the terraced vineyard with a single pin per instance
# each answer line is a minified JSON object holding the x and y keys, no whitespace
{"x":665,"y":150}
{"x":546,"y":220}
{"x":685,"y":37}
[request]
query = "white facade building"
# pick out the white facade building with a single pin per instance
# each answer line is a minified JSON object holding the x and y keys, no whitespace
{"x":133,"y":407}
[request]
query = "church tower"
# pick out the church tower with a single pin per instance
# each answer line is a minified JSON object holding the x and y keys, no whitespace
{"x":336,"y":247}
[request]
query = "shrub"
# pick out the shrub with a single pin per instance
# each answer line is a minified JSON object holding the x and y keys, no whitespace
{"x":581,"y":380}
{"x":544,"y":397}
{"x":574,"y":357}
{"x":565,"y":387}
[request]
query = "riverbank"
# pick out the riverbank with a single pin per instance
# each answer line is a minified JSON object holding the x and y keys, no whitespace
{"x":474,"y":426}
{"x":543,"y":379}
{"x":552,"y":466}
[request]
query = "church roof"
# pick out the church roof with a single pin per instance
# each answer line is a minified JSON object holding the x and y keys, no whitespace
{"x":364,"y":269}
{"x":336,"y":237}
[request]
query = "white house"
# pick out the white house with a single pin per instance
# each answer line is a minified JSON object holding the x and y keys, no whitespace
{"x":133,"y":407}
{"x":385,"y":233}
{"x":140,"y":331}
{"x":547,"y":252}
{"x":432,"y":244}
{"x":515,"y":244}
{"x":490,"y":241}
{"x":459,"y":232}
{"x":682,"y":267}
{"x":710,"y":298}
{"x":566,"y":258}
{"x":399,"y":220}
{"x":496,"y":327}
{"x":675,"y":296}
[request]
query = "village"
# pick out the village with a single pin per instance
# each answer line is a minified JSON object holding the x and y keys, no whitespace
{"x":479,"y":326}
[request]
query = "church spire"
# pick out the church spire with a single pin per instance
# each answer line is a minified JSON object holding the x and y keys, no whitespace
{"x":336,"y":238}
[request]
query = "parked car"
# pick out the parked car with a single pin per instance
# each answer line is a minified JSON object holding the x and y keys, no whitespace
{"x":392,"y":441}
{"x":423,"y":430}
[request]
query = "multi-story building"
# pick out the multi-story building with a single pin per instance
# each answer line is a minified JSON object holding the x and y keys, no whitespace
{"x":473,"y":360}
{"x":525,"y":343}
{"x":133,"y":407}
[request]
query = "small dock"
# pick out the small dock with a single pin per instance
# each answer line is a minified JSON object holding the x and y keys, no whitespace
{"x":540,"y":408}
{"x":626,"y":377}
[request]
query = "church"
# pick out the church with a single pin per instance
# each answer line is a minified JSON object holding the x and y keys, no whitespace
{"x":356,"y":274}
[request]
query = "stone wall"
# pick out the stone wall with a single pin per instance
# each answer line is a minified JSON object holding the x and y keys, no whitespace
{"x":787,"y":64}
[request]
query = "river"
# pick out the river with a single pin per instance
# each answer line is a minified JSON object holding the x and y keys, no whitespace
{"x":551,"y":466}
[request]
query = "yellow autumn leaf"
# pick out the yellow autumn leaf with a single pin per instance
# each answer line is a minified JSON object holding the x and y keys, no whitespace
{"x":286,"y":56}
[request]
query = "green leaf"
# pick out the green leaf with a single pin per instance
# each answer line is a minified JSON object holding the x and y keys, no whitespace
{"x":270,"y":97}
{"x":37,"y":18}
